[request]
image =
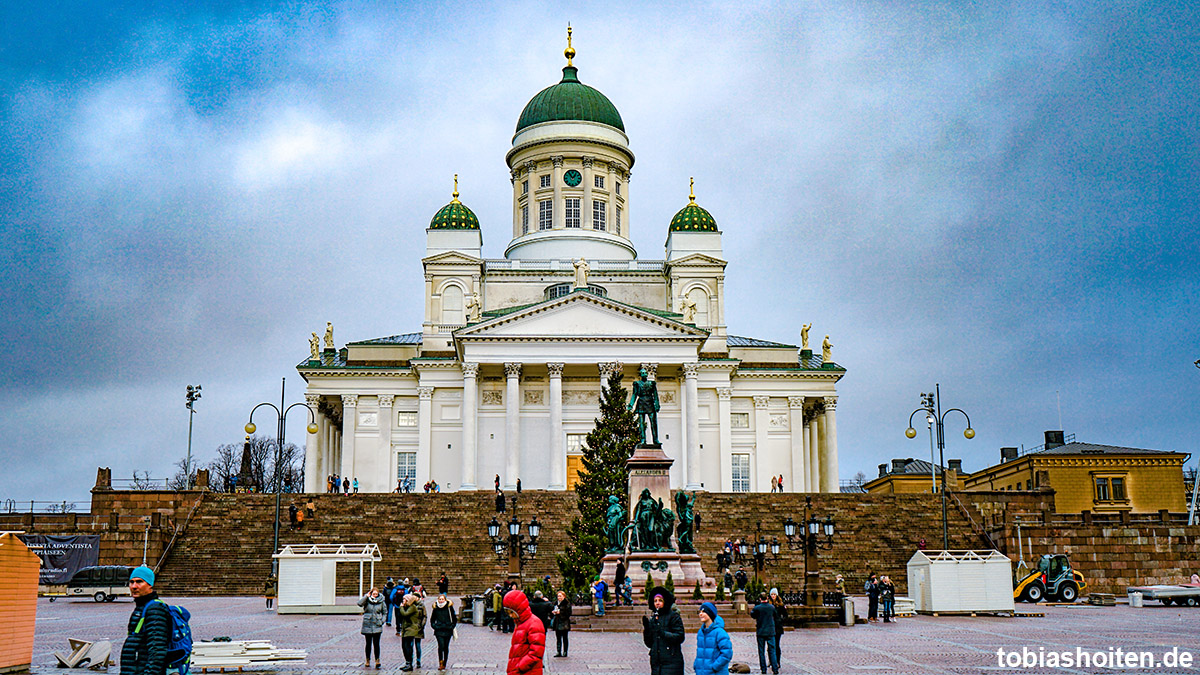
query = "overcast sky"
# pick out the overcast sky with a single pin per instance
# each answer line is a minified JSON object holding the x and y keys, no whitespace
{"x":1000,"y":198}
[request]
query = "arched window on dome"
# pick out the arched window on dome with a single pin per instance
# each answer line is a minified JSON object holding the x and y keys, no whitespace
{"x":452,"y":305}
{"x":700,"y":297}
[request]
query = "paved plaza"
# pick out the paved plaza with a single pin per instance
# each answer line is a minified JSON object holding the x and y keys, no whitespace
{"x":954,"y":645}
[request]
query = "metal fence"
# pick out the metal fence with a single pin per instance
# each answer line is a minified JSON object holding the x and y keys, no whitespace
{"x":36,"y":506}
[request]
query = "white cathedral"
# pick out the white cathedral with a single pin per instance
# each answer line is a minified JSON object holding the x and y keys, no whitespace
{"x":504,"y":377}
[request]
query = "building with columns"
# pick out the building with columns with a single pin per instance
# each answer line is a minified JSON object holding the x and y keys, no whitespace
{"x":504,"y":376}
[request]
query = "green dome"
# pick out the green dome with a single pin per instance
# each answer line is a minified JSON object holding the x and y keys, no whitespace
{"x":692,"y":218}
{"x":454,"y":216}
{"x":570,"y":99}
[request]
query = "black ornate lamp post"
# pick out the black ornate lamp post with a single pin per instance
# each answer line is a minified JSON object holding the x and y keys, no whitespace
{"x":281,"y":413}
{"x":931,"y":405}
{"x":513,"y":545}
{"x":809,"y":538}
{"x":760,"y":546}
{"x":193,"y":395}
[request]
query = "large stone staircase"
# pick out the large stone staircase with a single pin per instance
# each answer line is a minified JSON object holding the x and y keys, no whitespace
{"x":226,"y":548}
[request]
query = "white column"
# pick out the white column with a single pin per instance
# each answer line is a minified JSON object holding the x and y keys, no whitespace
{"x":819,"y":423}
{"x":613,"y":200}
{"x":814,"y":452}
{"x":424,"y":434}
{"x":829,"y":458}
{"x":808,"y":474}
{"x":312,"y":451}
{"x":692,"y":423}
{"x":558,"y":455}
{"x":763,"y":469}
{"x":515,"y":178}
{"x":349,"y":423}
{"x":512,"y":413}
{"x":388,"y":482}
{"x":559,"y":211}
{"x":797,"y":481}
{"x":586,"y":207}
{"x":724,"y":394}
{"x":470,"y":437}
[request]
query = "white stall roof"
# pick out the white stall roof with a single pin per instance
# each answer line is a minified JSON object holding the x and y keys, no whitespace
{"x":957,"y":556}
{"x":339,"y":552}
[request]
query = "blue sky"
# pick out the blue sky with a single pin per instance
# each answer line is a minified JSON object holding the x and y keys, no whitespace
{"x":997,"y":197}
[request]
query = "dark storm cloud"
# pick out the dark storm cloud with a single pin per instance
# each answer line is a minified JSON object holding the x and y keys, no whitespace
{"x":997,"y":197}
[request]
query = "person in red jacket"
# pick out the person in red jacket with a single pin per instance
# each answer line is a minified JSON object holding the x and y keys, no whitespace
{"x":529,"y":637}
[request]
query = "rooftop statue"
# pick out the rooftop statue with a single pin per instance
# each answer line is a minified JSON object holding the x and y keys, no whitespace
{"x":826,"y":350}
{"x":314,"y":348}
{"x":581,"y":273}
{"x":329,"y":335}
{"x":804,"y":335}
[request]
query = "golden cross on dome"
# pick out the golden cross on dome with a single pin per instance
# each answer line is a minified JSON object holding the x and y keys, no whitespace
{"x":692,"y":196}
{"x":455,"y":188}
{"x":569,"y":52}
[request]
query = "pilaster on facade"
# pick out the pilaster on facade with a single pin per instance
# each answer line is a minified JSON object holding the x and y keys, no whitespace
{"x":349,"y":430}
{"x":763,"y":468}
{"x":512,"y":413}
{"x":312,"y":449}
{"x":799,"y":473}
{"x":691,"y":426}
{"x":829,"y":456}
{"x":467,"y":479}
{"x":558,"y":455}
{"x":724,"y":408}
{"x":424,"y":433}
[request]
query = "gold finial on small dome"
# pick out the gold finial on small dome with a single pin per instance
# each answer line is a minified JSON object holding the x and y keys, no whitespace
{"x":569,"y":52}
{"x":455,"y":195}
{"x":692,"y":196}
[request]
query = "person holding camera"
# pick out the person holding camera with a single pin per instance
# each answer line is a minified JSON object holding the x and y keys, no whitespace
{"x":561,"y":620}
{"x":662,"y":631}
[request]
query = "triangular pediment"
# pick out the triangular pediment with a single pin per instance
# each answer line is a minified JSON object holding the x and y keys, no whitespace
{"x":451,"y":258}
{"x":582,"y":315}
{"x":698,"y":259}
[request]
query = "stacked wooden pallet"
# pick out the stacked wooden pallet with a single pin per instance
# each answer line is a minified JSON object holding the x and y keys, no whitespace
{"x":241,"y":653}
{"x":905,"y":606}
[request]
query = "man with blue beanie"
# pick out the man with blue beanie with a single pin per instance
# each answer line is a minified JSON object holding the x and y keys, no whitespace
{"x":714,"y":650}
{"x":149,"y":630}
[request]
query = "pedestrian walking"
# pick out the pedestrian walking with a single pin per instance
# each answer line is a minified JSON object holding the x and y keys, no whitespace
{"x":497,"y":609}
{"x":292,"y":511}
{"x":742,"y":579}
{"x":887,"y":598}
{"x":871,"y":588}
{"x":542,"y":608}
{"x":598,"y":589}
{"x":780,"y":616}
{"x":764,"y":631}
{"x":714,"y":649}
{"x":662,"y":632}
{"x":346,"y":486}
{"x":774,"y":484}
{"x":619,"y":581}
{"x":422,"y":617}
{"x":529,"y":636}
{"x":781,"y":482}
{"x":269,"y":590}
{"x":406,"y":622}
{"x":499,"y":501}
{"x":355,"y":485}
{"x":497,"y":482}
{"x":443,"y":584}
{"x":372,"y":624}
{"x":388,"y":589}
{"x":443,"y":621}
{"x":148,"y":635}
{"x":561,"y":617}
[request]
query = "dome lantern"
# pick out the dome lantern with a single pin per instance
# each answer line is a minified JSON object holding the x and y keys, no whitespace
{"x":693,"y":218}
{"x":455,"y":215}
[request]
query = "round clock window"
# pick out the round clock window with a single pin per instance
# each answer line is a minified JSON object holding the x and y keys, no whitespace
{"x":572,"y":178}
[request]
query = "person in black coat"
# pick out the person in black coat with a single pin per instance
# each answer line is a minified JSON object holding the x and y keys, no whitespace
{"x":149,"y":631}
{"x":443,"y":620}
{"x":872,"y":589}
{"x":765,"y":616}
{"x":541,"y":608}
{"x":662,"y":631}
{"x":560,"y":617}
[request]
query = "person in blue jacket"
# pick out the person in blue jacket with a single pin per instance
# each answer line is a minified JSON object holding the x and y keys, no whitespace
{"x":714,"y":650}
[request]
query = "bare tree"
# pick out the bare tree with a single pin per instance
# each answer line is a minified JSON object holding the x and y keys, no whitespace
{"x":181,"y":481}
{"x":141,"y":482}
{"x":62,"y":507}
{"x":228,"y":464}
{"x":225,"y":467}
{"x":860,"y":478}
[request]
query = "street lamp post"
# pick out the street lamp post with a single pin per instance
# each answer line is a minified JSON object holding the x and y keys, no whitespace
{"x":281,"y":412}
{"x":761,"y":546}
{"x":513,"y":545}
{"x":809,"y":539}
{"x":193,"y":395}
{"x":931,"y":405}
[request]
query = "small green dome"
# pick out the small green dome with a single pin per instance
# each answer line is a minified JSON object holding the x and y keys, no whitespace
{"x":570,"y":99}
{"x":455,"y":215}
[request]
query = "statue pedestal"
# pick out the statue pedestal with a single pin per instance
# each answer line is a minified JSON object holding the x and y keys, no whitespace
{"x":685,"y":570}
{"x":649,"y":469}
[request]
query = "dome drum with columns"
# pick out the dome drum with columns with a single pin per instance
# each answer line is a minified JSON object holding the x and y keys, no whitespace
{"x":505,"y":374}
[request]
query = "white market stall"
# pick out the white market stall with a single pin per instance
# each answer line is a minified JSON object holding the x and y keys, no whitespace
{"x":960,"y":581}
{"x":308,"y":576}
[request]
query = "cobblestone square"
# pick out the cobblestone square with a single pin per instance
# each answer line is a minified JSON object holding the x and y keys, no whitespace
{"x":950,"y":645}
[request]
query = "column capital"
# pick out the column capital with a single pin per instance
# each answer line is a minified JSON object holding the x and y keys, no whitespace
{"x":313,"y":401}
{"x":796,"y":402}
{"x":349,"y":400}
{"x":512,"y":370}
{"x":470,"y":369}
{"x":691,"y":370}
{"x":385,"y":400}
{"x":530,"y":166}
{"x":556,"y":369}
{"x":651,"y":370}
{"x":588,"y":162}
{"x":830,"y":403}
{"x":557,"y":160}
{"x":724,"y":393}
{"x":608,"y":368}
{"x":425,"y":393}
{"x":761,"y":402}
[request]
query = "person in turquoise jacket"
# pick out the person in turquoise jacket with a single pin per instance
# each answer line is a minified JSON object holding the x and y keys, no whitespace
{"x":714,"y":650}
